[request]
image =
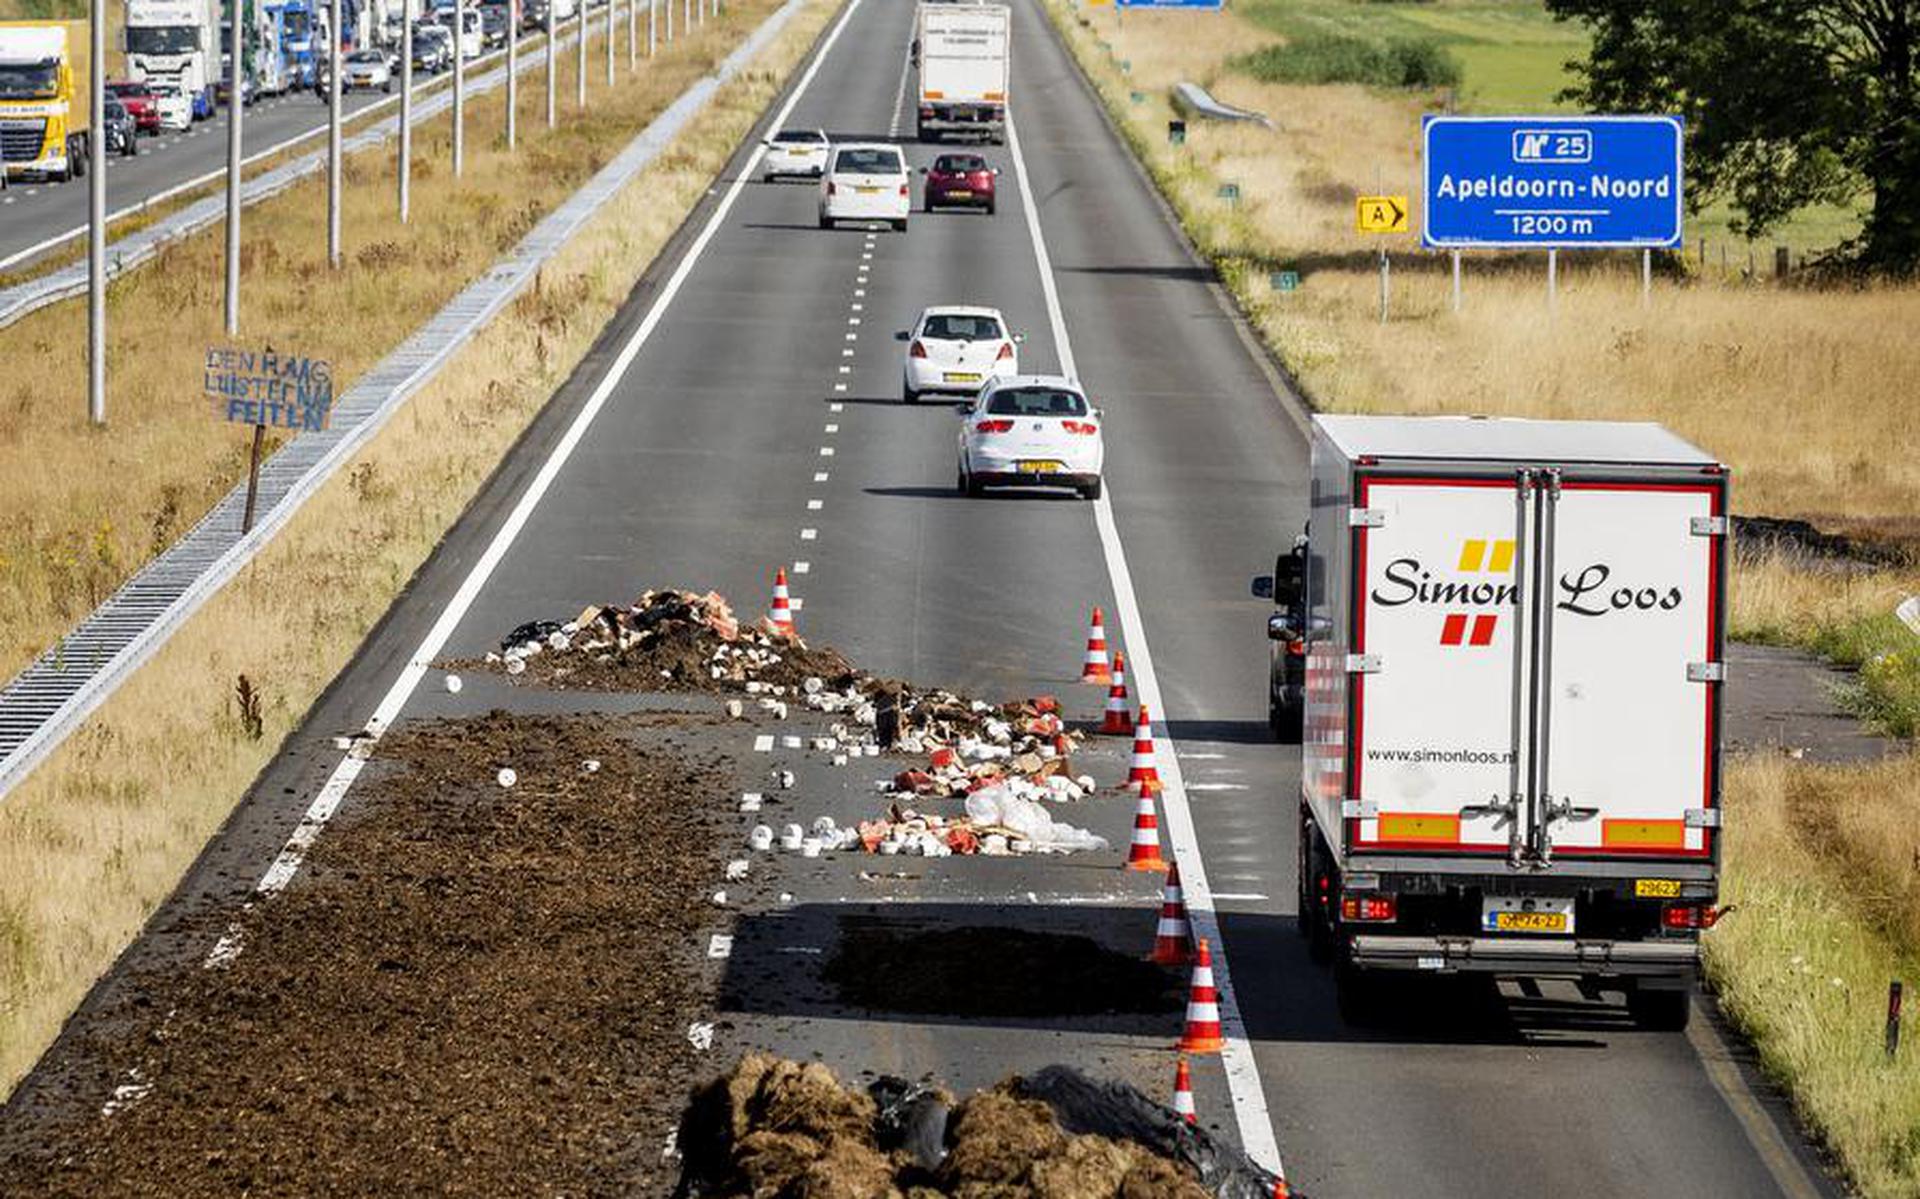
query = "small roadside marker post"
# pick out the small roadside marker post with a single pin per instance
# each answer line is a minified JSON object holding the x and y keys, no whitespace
{"x":1553,"y":281}
{"x":1230,"y":192}
{"x":1646,"y":278}
{"x":1894,"y":990}
{"x":1382,"y":215}
{"x":1456,"y":280}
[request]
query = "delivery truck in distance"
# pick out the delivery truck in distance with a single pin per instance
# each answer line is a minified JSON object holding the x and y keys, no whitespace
{"x":1513,"y":634}
{"x":964,"y":54}
{"x":44,"y":99}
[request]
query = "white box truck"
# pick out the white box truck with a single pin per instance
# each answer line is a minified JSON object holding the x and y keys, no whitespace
{"x":966,"y":68}
{"x":1513,"y":635}
{"x":174,"y":42}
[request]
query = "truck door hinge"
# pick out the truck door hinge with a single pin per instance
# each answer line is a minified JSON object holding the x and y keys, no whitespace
{"x":1702,"y":817}
{"x":1366,"y":518}
{"x":1359,"y":809}
{"x":1363,"y":663}
{"x":1708,"y":526}
{"x":1706,"y":672}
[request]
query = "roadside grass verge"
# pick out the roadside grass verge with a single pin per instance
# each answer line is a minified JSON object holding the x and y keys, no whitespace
{"x":1824,"y":869}
{"x":1802,"y":391}
{"x":89,"y":506}
{"x":96,"y":838}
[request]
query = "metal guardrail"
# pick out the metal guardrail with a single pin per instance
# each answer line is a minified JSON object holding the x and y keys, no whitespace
{"x":140,"y":246}
{"x":49,"y":699}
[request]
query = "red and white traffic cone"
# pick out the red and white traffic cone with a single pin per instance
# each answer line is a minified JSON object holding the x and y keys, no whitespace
{"x":1203,"y":1007}
{"x":1094,"y":669}
{"x":1183,"y":1093}
{"x":1144,"y":853}
{"x":1143,"y":776}
{"x":780,"y":616}
{"x":1119,"y":720}
{"x":1173,"y":939}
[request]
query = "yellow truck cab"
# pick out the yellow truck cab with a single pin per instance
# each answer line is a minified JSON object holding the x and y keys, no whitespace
{"x":43,"y":99}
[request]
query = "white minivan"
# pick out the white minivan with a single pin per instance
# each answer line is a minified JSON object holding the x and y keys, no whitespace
{"x":865,"y":182}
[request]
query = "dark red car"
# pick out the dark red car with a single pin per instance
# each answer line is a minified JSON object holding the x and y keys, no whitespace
{"x":959,"y":180}
{"x":139,"y":103}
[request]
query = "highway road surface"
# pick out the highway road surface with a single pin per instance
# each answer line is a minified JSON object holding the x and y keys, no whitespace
{"x":743,"y":412}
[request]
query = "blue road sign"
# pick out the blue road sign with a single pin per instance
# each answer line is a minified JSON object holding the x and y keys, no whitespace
{"x":1550,"y":182}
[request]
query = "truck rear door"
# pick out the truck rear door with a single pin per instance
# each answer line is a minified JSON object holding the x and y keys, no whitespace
{"x":1534,"y":666}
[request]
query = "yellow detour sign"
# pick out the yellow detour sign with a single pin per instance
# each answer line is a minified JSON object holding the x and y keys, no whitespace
{"x":1382,"y":214}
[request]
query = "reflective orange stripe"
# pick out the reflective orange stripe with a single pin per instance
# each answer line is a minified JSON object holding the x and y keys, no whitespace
{"x":934,"y":95}
{"x":1435,"y":829}
{"x":1643,"y":833}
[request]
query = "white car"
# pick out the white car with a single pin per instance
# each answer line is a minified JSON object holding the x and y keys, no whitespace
{"x":796,"y":152}
{"x":865,"y":182}
{"x":368,"y":69}
{"x":957,"y":348}
{"x":176,"y":109}
{"x":1031,"y":431}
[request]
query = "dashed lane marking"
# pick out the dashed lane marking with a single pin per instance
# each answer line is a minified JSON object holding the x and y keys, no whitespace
{"x":801,"y":568}
{"x":763,"y":744}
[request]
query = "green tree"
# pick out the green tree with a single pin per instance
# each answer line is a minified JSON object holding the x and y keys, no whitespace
{"x":1788,"y":102}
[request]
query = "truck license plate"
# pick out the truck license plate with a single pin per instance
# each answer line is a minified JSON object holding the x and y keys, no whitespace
{"x":1509,"y":914}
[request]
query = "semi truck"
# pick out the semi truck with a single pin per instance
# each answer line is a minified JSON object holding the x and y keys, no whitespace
{"x":965,"y":61}
{"x":44,"y":99}
{"x":1513,"y":635}
{"x":297,"y":41}
{"x":172,"y":42}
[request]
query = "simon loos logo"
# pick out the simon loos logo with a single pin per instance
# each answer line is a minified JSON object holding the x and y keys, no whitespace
{"x":1472,"y":603}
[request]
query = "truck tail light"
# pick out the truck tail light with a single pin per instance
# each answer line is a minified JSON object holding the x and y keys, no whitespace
{"x":1689,"y":917}
{"x":994,"y":426}
{"x":1006,"y":352}
{"x":1369,"y":909}
{"x":917,"y":350}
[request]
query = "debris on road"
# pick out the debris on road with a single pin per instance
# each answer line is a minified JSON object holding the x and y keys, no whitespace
{"x":777,"y":1127}
{"x":663,"y":641}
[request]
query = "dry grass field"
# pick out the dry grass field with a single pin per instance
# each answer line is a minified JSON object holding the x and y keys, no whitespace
{"x":91,"y":505}
{"x":98,"y":836}
{"x":1805,"y":391}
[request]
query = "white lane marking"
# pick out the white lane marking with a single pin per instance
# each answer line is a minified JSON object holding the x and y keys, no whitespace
{"x":328,"y":801}
{"x":750,"y":801}
{"x":837,"y":407}
{"x":1216,"y":786}
{"x":853,"y":320}
{"x":857,"y":307}
{"x":833,"y":428}
{"x":815,"y":505}
{"x":720,"y":945}
{"x":866,"y":256}
{"x":763,"y":744}
{"x":826,"y":451}
{"x":801,"y":568}
{"x":859,"y":291}
{"x":846,"y":370}
{"x":853,"y":337}
{"x":846,"y":353}
{"x":1243,"y":1072}
{"x":1238,"y":896}
{"x":809,"y":534}
{"x":820,"y":476}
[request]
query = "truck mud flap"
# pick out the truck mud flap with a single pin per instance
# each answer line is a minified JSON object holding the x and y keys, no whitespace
{"x":1507,"y":955}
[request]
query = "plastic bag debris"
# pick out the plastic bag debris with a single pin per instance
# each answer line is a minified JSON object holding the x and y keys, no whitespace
{"x":912,"y":1119}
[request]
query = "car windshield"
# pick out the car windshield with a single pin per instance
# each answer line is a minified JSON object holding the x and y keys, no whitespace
{"x":366,"y":56}
{"x":1037,"y":401}
{"x":952,"y":326}
{"x":794,"y":137}
{"x":28,"y":80}
{"x":867,"y":162}
{"x":162,"y":39}
{"x":114,"y":111}
{"x":956,"y":163}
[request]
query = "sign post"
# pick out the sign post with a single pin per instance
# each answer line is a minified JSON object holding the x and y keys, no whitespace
{"x":1387,"y":215}
{"x":267,"y":388}
{"x":1554,"y":183}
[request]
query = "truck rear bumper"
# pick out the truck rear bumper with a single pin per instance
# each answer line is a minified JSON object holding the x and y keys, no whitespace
{"x":1534,"y":959}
